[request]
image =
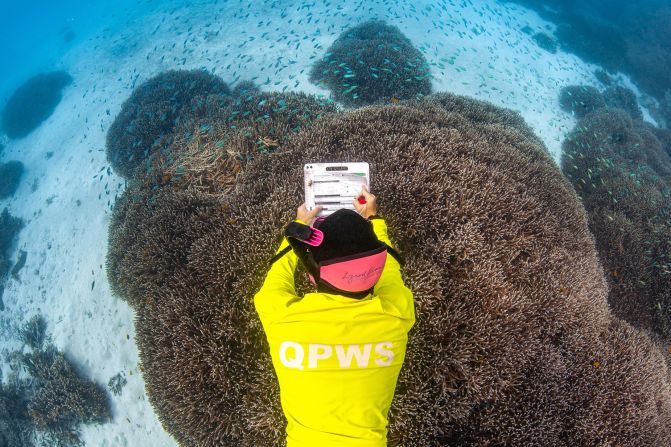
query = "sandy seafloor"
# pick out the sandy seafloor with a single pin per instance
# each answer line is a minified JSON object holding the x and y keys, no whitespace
{"x":66,"y":200}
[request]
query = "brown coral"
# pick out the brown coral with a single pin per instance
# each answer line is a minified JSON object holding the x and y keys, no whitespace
{"x":66,"y":398}
{"x":622,"y":174}
{"x":61,"y":397}
{"x":619,"y":97}
{"x":214,"y":142}
{"x":148,"y":116}
{"x":150,"y":237}
{"x":580,"y":99}
{"x":152,"y":229}
{"x":664,"y":137}
{"x":15,"y":426}
{"x":370,"y":63}
{"x":10,"y":226}
{"x":512,"y":317}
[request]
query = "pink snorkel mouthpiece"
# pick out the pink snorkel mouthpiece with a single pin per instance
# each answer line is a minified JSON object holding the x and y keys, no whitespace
{"x":316,"y":237}
{"x":304,"y":233}
{"x":354,"y":274}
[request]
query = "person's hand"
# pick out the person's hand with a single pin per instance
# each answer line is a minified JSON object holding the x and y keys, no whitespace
{"x":365,"y":209}
{"x":307,"y":216}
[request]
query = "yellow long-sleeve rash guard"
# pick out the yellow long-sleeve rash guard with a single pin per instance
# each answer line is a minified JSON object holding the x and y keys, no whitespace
{"x":337,"y":359}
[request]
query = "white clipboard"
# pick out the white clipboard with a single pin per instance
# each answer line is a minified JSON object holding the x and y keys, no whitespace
{"x":334,"y":185}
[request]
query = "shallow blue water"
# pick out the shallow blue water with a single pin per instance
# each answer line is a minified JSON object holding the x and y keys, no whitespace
{"x":34,"y":36}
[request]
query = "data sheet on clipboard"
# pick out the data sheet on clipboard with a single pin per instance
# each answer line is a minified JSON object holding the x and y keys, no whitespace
{"x":334,"y":185}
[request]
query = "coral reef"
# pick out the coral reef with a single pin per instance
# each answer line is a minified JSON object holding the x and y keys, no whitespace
{"x":63,"y":398}
{"x":604,"y":78}
{"x":222,"y":134}
{"x":632,"y":37}
{"x":545,"y":42}
{"x":514,"y":342}
{"x":611,"y":365}
{"x":245,"y":88}
{"x":15,"y":425}
{"x":33,"y":333}
{"x":583,"y":99}
{"x":47,"y":406}
{"x":150,"y":237}
{"x":33,"y":102}
{"x":594,"y":42}
{"x":623,"y":175}
{"x":210,"y":149}
{"x":619,"y":97}
{"x":580,"y":99}
{"x":60,"y":398}
{"x":370,"y":63}
{"x":116,"y":383}
{"x":664,"y":137}
{"x":9,"y":228}
{"x":10,"y":176}
{"x":148,"y":116}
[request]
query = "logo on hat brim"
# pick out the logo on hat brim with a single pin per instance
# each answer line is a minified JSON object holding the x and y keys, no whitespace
{"x":354,"y":273}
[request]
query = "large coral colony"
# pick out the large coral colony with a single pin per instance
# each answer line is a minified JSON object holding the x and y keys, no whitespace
{"x":542,"y":295}
{"x":518,"y":340}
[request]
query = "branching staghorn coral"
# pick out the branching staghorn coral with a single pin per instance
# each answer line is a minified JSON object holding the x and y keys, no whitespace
{"x":664,"y":137}
{"x":63,"y":399}
{"x":623,"y":175}
{"x":511,"y":301}
{"x":33,"y":333}
{"x":370,"y":63}
{"x":204,"y":162}
{"x":222,"y":134}
{"x":618,"y":97}
{"x":15,"y":426}
{"x":580,"y":99}
{"x":209,"y":151}
{"x":244,"y":88}
{"x":150,"y":237}
{"x":46,"y":398}
{"x":148,"y":116}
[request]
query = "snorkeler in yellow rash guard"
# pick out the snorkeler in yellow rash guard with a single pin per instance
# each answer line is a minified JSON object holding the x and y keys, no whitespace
{"x":337,"y":352}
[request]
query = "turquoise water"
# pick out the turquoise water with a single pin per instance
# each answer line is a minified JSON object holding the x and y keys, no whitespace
{"x":35,"y":38}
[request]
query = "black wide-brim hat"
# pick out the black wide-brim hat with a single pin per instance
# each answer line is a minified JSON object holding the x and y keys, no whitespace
{"x":346,"y":233}
{"x":344,"y":239}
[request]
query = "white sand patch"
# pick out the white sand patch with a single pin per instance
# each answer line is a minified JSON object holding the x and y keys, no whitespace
{"x":475,"y":49}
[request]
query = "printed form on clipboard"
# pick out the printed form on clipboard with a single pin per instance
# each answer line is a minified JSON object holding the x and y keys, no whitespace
{"x":334,"y":185}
